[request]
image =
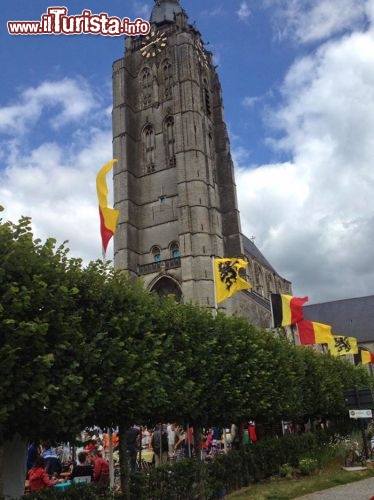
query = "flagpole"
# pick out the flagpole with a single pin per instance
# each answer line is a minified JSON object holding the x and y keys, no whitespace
{"x":214,"y":288}
{"x":297,"y":331}
{"x":271,"y":314}
{"x":111,"y":463}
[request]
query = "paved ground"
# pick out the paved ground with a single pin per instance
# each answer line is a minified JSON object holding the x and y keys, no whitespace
{"x":360,"y":490}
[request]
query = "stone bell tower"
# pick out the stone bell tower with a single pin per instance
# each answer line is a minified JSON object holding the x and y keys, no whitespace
{"x":174,"y":182}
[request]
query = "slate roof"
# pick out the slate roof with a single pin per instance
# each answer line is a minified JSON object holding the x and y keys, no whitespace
{"x":349,"y":317}
{"x":251,"y":249}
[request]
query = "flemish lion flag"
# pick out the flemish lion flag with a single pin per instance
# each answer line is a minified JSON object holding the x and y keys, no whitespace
{"x":311,"y":332}
{"x":287,"y":310}
{"x":226,"y":277}
{"x":108,"y":216}
{"x":341,"y":345}
{"x":366,"y":357}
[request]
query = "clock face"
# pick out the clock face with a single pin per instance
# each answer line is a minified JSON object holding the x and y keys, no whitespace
{"x":153,"y":44}
{"x":201,"y":55}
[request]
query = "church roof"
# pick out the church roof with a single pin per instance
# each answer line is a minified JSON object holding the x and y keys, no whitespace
{"x":349,"y":317}
{"x":165,"y":11}
{"x":252,"y":251}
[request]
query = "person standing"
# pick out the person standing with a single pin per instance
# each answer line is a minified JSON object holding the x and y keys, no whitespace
{"x":132,"y":445}
{"x":32,"y":455}
{"x":171,"y":439}
{"x":160,"y":445}
{"x":52,"y":462}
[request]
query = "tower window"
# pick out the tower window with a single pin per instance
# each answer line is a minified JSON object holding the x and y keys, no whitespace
{"x":168,"y":80}
{"x":156,"y":253}
{"x":174,"y":250}
{"x":147,"y":87}
{"x":149,"y":148}
{"x":170,"y":141}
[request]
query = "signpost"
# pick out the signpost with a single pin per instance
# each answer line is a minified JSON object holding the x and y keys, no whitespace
{"x":360,"y":414}
{"x":355,"y":399}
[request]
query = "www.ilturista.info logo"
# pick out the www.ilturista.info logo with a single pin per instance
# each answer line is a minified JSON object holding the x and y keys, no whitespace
{"x":57,"y":22}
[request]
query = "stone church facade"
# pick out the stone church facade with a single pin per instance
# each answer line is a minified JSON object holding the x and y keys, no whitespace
{"x":174,"y":182}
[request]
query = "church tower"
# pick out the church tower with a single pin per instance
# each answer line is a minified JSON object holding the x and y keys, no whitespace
{"x":174,"y":181}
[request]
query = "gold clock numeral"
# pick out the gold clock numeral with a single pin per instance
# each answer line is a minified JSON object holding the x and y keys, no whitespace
{"x":153,"y":44}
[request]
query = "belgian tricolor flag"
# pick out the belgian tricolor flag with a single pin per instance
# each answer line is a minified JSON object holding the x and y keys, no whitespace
{"x":366,"y":357}
{"x":286,"y":309}
{"x":311,"y":332}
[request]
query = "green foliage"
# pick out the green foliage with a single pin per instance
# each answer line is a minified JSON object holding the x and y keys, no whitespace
{"x":286,"y":470}
{"x":82,"y":346}
{"x":74,"y":492}
{"x":308,"y":465}
{"x":40,"y":335}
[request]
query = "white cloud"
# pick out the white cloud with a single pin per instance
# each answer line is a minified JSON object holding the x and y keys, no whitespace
{"x":250,"y":101}
{"x":314,"y":20}
{"x":51,"y":182}
{"x":243,"y":12}
{"x":313,"y":217}
{"x":72,"y":99}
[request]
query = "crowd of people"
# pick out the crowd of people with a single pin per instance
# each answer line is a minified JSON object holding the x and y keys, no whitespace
{"x":45,"y":467}
{"x":54,"y":466}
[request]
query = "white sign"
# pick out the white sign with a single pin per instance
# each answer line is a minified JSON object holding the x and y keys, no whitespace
{"x":360,"y":413}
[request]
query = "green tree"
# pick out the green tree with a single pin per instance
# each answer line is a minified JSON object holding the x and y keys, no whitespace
{"x":40,"y":335}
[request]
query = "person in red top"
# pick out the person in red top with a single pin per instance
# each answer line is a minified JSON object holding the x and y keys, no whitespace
{"x":252,"y":432}
{"x":101,"y":469}
{"x":38,"y":477}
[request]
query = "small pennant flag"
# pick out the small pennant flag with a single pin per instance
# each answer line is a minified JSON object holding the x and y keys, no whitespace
{"x":286,"y":309}
{"x":311,"y":332}
{"x":341,"y":345}
{"x":108,"y":216}
{"x":227,"y":279}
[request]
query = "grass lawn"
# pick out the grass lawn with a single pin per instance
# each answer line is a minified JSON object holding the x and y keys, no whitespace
{"x":285,"y":489}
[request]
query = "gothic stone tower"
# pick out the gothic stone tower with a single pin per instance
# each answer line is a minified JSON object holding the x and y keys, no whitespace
{"x":174,"y":181}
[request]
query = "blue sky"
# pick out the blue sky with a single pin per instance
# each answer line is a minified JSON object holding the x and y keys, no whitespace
{"x":298,"y":88}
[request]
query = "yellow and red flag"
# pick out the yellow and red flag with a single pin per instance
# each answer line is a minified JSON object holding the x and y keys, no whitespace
{"x":108,"y":216}
{"x":227,"y":279}
{"x":286,"y":309}
{"x":311,"y":332}
{"x":366,"y":357}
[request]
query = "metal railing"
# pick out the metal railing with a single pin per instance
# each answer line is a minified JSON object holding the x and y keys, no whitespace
{"x":155,"y":267}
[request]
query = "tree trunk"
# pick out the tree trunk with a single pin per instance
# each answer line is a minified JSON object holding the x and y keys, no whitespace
{"x":197,"y":441}
{"x":124,"y":460}
{"x":13,"y":467}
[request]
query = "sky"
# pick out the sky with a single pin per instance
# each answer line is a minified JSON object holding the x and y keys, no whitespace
{"x":298,"y":90}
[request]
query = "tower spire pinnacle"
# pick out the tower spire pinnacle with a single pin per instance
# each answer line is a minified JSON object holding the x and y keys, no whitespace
{"x":165,"y":11}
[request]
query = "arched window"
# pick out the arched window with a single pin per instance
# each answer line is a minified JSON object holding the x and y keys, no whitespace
{"x":169,"y":141}
{"x":149,"y":148}
{"x":270,"y":284}
{"x":259,"y":280}
{"x":156,"y":253}
{"x":174,"y":250}
{"x":168,"y":80}
{"x":167,"y":286}
{"x":147,"y":86}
